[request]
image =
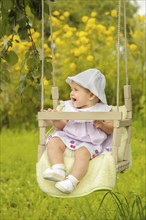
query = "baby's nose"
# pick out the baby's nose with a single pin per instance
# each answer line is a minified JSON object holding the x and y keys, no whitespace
{"x":71,"y":93}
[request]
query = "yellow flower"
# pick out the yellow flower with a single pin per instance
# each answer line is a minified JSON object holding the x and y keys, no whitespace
{"x":56,"y":13}
{"x":45,"y":46}
{"x":57,"y":55}
{"x":93,"y":14}
{"x":76,"y":52}
{"x":47,"y":49}
{"x":114,"y":13}
{"x":90,"y":58}
{"x":112,"y":28}
{"x":32,"y":30}
{"x":91,"y":21}
{"x":61,"y":17}
{"x":46,"y":82}
{"x":17,"y":68}
{"x":108,"y":43}
{"x":82,"y":49}
{"x":77,"y":42}
{"x":84,"y":19}
{"x":29,"y":44}
{"x":58,"y":41}
{"x":109,"y":40}
{"x":81,"y":33}
{"x":84,"y":40}
{"x":55,"y":21}
{"x":66,"y":27}
{"x":101,"y":28}
{"x":133,"y":47}
{"x":36,"y":35}
{"x":17,"y":38}
{"x":21,"y":48}
{"x":107,"y":32}
{"x":73,"y":66}
{"x":66,"y":14}
{"x":68,"y":34}
{"x":91,"y":24}
{"x":55,"y":34}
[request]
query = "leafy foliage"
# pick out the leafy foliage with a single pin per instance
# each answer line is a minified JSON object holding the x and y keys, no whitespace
{"x":80,"y":40}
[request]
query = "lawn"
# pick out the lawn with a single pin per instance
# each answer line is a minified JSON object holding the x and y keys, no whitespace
{"x":22,"y":199}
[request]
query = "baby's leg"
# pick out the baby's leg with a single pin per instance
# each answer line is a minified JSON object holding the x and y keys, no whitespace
{"x":79,"y":169}
{"x":81,"y":163}
{"x":55,"y":151}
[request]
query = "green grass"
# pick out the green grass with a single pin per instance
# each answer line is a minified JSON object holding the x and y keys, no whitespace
{"x":22,"y":199}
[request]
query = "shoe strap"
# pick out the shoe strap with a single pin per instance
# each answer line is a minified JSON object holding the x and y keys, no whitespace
{"x":73,"y":180}
{"x":59,"y":166}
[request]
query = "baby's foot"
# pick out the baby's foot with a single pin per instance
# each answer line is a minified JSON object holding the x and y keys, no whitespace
{"x":55,"y":173}
{"x":68,"y":185}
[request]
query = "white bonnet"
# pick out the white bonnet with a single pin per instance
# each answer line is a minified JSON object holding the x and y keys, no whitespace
{"x":93,"y":80}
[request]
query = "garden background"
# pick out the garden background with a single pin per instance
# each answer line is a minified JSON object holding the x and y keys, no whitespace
{"x":85,"y":36}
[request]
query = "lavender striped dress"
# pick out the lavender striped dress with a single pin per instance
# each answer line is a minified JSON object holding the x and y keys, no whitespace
{"x":82,"y":133}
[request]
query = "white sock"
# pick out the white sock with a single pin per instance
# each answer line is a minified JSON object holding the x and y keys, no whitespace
{"x":73,"y":179}
{"x":58,"y":166}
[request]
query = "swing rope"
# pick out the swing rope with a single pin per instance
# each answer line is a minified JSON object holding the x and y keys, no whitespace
{"x":118,"y":50}
{"x":52,"y":45}
{"x":125,"y":41}
{"x":42,"y":57}
{"x":118,"y":54}
{"x":55,"y":93}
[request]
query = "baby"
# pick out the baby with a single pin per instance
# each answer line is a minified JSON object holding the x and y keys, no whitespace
{"x":85,"y":137}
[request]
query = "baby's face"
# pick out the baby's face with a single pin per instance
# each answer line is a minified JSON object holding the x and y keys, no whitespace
{"x":80,"y":96}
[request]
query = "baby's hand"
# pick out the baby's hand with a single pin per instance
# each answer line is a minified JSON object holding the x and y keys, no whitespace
{"x":98,"y":123}
{"x":52,"y":110}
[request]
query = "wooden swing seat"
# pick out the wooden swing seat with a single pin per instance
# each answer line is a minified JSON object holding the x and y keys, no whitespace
{"x":102,"y":170}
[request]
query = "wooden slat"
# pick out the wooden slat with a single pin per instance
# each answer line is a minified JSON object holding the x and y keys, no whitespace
{"x":55,"y":93}
{"x":116,"y":137}
{"x":42,"y":135}
{"x":80,"y":115}
{"x":121,"y":166}
{"x":44,"y":123}
{"x":129,"y":133}
{"x":122,"y":123}
{"x":128,"y":104}
{"x":116,"y":143}
{"x":126,"y":153}
{"x":127,"y":91}
{"x":41,"y":149}
{"x":129,"y":114}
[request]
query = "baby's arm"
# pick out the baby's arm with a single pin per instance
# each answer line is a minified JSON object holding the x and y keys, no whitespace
{"x":106,"y":126}
{"x":58,"y":124}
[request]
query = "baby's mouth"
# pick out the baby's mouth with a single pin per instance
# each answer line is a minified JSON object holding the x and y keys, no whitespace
{"x":73,"y":99}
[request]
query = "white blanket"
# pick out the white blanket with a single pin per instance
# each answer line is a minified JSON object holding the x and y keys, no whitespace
{"x":101,"y":175}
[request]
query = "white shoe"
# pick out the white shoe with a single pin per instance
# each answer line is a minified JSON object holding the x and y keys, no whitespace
{"x":55,"y":173}
{"x":68,"y":185}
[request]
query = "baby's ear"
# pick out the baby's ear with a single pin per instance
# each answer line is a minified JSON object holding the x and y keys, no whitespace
{"x":92,"y":97}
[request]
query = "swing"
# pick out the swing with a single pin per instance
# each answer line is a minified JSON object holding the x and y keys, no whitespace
{"x":101,"y":174}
